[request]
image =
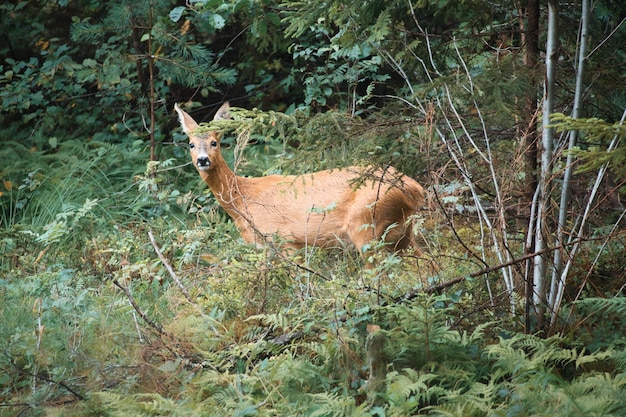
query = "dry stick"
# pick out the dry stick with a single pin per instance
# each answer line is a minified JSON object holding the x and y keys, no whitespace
{"x":285,"y":338}
{"x":139,"y":311}
{"x":156,"y":327}
{"x":169,"y":268}
{"x":430,"y":290}
{"x":594,"y":263}
{"x":173,"y":274}
{"x":436,"y":288}
{"x":43,"y":378}
{"x":458,"y":238}
{"x":556,"y":299}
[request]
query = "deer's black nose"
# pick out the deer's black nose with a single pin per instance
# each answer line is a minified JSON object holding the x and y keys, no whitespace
{"x":203,"y":161}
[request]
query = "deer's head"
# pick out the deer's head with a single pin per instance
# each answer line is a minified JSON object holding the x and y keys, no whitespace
{"x":204,"y":146}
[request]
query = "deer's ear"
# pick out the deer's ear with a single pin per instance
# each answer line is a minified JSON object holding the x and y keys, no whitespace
{"x":186,"y":121}
{"x":223,"y":112}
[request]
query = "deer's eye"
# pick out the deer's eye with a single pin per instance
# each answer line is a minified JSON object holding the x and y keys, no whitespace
{"x":191,"y":146}
{"x":214,"y":144}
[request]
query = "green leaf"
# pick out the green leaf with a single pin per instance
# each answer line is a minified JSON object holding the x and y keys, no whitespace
{"x":176,"y":13}
{"x":217,"y":21}
{"x":90,"y":63}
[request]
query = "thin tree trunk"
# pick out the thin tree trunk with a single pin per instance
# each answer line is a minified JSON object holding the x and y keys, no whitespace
{"x":577,"y":235}
{"x":531,"y":59}
{"x":557,"y":282}
{"x":152,"y":93}
{"x":544,"y":186}
{"x":530,"y":145}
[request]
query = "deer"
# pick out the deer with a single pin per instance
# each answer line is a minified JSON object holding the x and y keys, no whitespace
{"x":354,"y":205}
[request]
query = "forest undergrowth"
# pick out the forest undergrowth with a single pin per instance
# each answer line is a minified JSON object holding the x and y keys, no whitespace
{"x":126,"y":291}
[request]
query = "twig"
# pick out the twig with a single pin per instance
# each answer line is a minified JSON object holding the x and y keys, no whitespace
{"x":43,"y":378}
{"x":139,"y":311}
{"x":276,"y":250}
{"x":141,"y":340}
{"x":595,"y":263}
{"x":606,"y":39}
{"x":188,"y":359}
{"x":555,"y":299}
{"x":454,"y":231}
{"x":169,"y":268}
{"x":436,"y":288}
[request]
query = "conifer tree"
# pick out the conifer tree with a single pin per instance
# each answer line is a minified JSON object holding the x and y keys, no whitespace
{"x":140,"y":51}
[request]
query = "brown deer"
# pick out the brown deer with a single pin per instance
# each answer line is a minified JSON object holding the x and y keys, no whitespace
{"x":323,"y":208}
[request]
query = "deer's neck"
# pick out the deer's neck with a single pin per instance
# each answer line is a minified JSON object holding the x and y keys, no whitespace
{"x":225,"y":186}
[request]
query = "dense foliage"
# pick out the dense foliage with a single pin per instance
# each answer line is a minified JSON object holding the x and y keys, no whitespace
{"x":126,"y":290}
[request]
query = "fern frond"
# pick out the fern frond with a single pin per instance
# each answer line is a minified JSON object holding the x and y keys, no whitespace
{"x":332,"y":405}
{"x":596,"y":306}
{"x":409,"y":390}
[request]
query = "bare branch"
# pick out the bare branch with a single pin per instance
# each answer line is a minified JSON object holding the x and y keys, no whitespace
{"x":139,"y":311}
{"x":41,"y":377}
{"x":438,"y":287}
{"x":169,"y":268}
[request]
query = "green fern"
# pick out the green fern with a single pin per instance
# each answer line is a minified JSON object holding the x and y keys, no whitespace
{"x":409,"y":391}
{"x":143,"y":405}
{"x":615,"y":306}
{"x":333,"y":405}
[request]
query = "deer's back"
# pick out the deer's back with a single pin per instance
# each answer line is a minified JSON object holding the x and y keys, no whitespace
{"x":322,"y":207}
